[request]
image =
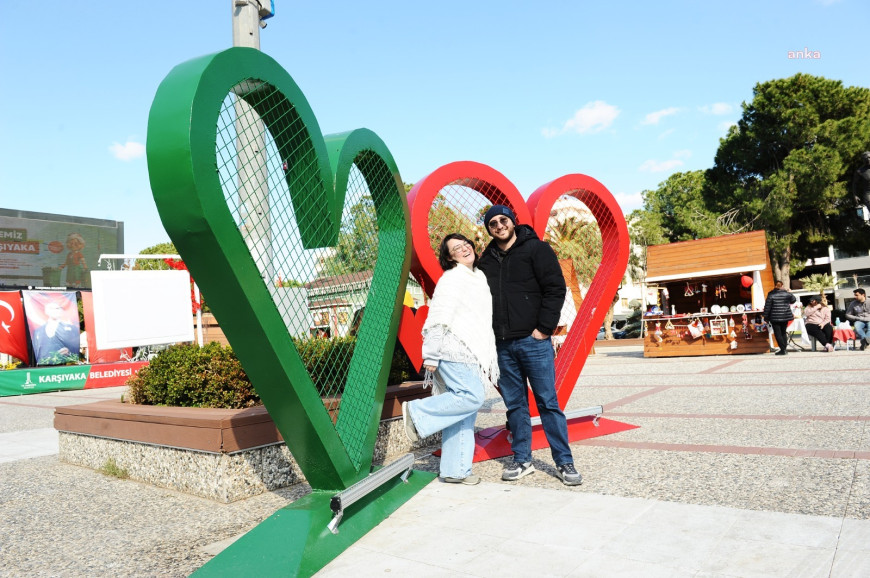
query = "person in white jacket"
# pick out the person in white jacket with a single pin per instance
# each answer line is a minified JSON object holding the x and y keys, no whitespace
{"x":459,"y":357}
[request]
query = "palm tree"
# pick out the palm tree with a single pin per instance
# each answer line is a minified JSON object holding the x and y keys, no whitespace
{"x":820,"y":282}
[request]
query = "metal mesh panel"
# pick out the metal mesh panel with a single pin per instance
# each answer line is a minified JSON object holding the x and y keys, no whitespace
{"x":321,"y":292}
{"x":575,"y":235}
{"x":458,"y":208}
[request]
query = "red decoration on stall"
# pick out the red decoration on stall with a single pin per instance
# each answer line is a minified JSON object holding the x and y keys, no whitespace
{"x":746,"y":281}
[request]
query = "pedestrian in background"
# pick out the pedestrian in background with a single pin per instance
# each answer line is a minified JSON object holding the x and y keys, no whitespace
{"x":778,"y":313}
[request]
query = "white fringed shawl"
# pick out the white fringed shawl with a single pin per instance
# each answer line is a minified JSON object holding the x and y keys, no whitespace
{"x":461,"y":310}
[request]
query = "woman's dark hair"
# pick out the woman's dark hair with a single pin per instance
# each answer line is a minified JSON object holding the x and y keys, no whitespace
{"x":445,"y":259}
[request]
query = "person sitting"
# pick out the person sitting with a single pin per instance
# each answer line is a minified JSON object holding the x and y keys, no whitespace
{"x":818,"y":322}
{"x":858,"y":312}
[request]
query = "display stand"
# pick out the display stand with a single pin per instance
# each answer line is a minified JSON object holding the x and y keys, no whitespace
{"x":706,"y":297}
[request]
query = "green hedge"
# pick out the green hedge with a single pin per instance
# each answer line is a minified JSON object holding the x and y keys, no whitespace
{"x":211,"y":376}
{"x":190,"y":376}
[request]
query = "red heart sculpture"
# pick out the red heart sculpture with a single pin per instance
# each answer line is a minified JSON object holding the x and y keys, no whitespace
{"x":497,"y":189}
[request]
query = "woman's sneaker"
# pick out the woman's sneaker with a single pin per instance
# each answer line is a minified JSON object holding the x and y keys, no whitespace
{"x":569,"y":475}
{"x":408,"y":423}
{"x":470,"y":480}
{"x":829,"y":347}
{"x":517,"y":470}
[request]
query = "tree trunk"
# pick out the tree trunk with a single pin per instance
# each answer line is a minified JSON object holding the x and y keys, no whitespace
{"x":608,"y":319}
{"x":782,"y":268}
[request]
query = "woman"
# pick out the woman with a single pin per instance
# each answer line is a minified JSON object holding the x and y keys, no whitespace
{"x":818,"y":321}
{"x":458,"y":354}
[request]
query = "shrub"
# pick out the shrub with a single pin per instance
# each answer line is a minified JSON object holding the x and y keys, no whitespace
{"x":212,"y":376}
{"x":190,"y":376}
{"x":327,"y":361}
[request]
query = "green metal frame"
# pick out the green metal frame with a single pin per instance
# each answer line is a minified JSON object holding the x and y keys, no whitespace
{"x":184,"y":179}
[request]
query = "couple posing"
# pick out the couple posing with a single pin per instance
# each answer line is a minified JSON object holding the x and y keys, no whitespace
{"x":490,"y":320}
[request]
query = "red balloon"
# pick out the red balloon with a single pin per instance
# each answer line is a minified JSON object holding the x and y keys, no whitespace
{"x":746,"y":281}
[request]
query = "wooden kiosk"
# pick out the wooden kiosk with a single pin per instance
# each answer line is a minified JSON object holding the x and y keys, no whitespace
{"x":707,"y":296}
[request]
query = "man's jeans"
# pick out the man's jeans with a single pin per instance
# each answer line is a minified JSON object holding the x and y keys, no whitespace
{"x":531,"y":358}
{"x":453,"y":413}
{"x":861,"y":329}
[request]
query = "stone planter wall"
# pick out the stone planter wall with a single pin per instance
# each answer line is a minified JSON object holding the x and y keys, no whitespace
{"x":222,"y":455}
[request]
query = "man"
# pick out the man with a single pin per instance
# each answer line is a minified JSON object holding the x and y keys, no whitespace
{"x":528,"y":292}
{"x":858,"y":312}
{"x":777,"y":312}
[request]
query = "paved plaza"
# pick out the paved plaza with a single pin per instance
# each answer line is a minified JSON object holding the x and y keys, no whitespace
{"x":742,"y":466}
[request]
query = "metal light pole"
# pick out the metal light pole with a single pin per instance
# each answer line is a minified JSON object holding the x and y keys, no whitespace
{"x":253,"y":188}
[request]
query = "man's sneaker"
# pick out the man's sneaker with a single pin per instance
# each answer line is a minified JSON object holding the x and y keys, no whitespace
{"x":410,"y":430}
{"x":569,"y":475}
{"x":471,"y":480}
{"x":517,"y":470}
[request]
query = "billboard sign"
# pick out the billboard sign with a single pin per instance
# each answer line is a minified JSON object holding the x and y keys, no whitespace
{"x":42,"y":250}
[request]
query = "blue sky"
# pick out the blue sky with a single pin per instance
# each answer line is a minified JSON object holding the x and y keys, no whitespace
{"x":627,"y":92}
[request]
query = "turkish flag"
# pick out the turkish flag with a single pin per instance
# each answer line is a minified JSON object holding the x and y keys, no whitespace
{"x":13,"y":334}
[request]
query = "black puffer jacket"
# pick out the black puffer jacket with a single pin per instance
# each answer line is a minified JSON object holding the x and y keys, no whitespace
{"x":777,"y":307}
{"x":527,"y":286}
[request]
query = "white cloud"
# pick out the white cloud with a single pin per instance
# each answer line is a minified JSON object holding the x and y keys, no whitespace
{"x":655,"y":117}
{"x":717,"y":108}
{"x":128,"y":151}
{"x":593,"y":117}
{"x":652,"y":166}
{"x":666,"y":134}
{"x":724,"y":126}
{"x":629,"y":201}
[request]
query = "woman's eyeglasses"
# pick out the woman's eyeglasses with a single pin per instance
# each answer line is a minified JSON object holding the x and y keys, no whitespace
{"x":459,"y":248}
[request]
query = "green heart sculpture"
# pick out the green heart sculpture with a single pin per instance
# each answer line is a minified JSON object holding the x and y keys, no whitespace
{"x":252,"y":195}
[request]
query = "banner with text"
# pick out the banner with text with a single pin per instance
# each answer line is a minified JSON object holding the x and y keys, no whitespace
{"x":43,"y":379}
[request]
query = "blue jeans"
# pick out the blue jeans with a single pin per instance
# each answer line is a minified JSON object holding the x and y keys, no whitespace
{"x":861,"y":329}
{"x":533,"y":359}
{"x":453,"y":413}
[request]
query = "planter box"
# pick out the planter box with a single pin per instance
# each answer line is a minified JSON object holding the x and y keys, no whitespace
{"x":220,"y":454}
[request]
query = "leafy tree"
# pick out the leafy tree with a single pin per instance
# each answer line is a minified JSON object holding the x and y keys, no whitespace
{"x":155,"y":264}
{"x":444,"y":219}
{"x":786,"y":167}
{"x":357,"y":248}
{"x":675,"y":211}
{"x":580,"y":241}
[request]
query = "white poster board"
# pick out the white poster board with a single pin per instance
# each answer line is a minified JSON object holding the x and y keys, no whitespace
{"x":133,"y":308}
